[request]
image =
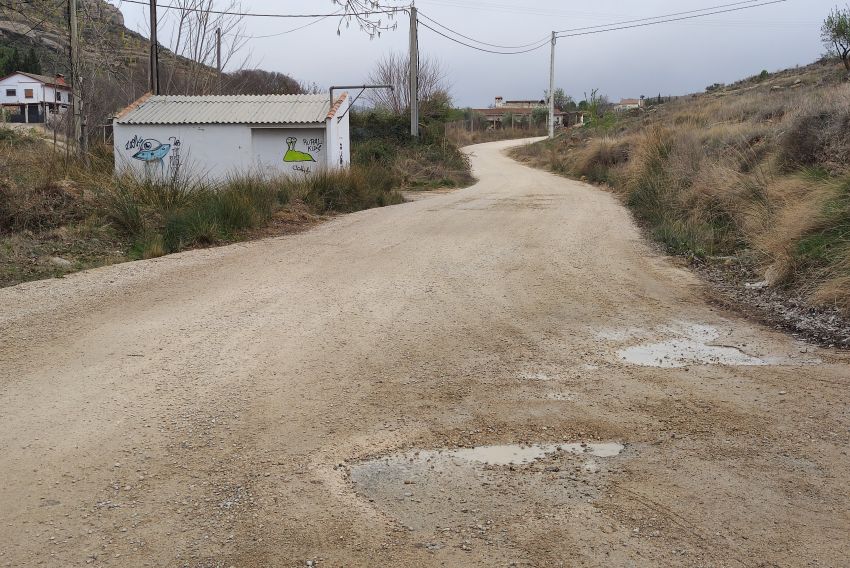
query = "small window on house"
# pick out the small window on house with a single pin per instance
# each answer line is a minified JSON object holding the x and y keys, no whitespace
{"x":11,"y":93}
{"x":59,"y":96}
{"x":28,"y":93}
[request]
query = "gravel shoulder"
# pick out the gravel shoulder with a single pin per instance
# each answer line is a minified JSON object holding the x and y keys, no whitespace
{"x":300,"y":399}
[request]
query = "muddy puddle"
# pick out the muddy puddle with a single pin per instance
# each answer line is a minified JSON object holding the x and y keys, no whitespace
{"x":468,"y":499}
{"x":684,"y":344}
{"x":517,"y":454}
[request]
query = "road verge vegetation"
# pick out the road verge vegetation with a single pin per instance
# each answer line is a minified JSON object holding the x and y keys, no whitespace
{"x":58,"y":215}
{"x":754,"y":176}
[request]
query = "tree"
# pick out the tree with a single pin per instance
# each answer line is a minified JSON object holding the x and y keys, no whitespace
{"x":539,"y":115}
{"x":393,"y":69}
{"x":193,"y":37}
{"x":835,"y":34}
{"x":371,"y":17}
{"x":31,"y":63}
{"x":562,"y":100}
{"x":259,"y":82}
{"x":11,"y":62}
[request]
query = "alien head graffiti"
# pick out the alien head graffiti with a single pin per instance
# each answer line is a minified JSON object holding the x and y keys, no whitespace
{"x":151,"y":150}
{"x":293,"y":155}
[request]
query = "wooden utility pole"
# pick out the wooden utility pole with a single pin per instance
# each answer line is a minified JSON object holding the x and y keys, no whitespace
{"x":414,"y":73}
{"x":154,"y":56}
{"x":218,"y":56}
{"x":552,"y":88}
{"x":76,"y":103}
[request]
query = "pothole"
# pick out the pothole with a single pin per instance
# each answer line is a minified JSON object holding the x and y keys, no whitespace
{"x":690,"y":344}
{"x":517,"y":454}
{"x":471,"y":496}
{"x":684,"y":352}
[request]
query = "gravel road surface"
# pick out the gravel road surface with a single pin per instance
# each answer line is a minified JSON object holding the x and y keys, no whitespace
{"x":504,"y":375}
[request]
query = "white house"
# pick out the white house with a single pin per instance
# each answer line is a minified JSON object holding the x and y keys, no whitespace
{"x":216,"y":137}
{"x":629,"y":104}
{"x":30,"y":97}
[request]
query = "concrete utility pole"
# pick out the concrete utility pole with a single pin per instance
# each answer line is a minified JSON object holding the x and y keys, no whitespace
{"x":154,"y":63}
{"x":414,"y":73}
{"x":552,"y":89}
{"x":218,"y":56}
{"x":76,"y":103}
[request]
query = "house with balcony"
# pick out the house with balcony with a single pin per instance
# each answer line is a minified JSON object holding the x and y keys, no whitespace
{"x":31,"y":98}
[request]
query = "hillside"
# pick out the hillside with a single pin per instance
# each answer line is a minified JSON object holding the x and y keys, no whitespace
{"x":43,"y":24}
{"x":115,"y":58}
{"x":750,"y":181}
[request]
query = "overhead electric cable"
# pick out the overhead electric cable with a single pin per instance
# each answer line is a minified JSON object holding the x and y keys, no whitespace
{"x":645,"y":24}
{"x":615,"y":26}
{"x":438,"y":32}
{"x":377,"y":10}
{"x":457,"y":33}
{"x":706,"y":9}
{"x":313,"y":23}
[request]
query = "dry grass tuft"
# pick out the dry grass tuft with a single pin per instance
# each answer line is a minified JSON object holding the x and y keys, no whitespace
{"x":761,"y":168}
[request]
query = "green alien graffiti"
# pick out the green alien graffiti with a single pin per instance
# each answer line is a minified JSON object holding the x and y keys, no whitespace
{"x":293,"y":155}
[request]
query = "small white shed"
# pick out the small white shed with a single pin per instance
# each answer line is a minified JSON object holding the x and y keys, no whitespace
{"x":216,"y":137}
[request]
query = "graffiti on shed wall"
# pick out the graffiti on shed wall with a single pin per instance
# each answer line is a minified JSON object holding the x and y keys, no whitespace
{"x":293,"y":155}
{"x":152,"y":152}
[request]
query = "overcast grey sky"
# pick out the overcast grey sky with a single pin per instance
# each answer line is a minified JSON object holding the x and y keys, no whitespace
{"x":672,"y":58}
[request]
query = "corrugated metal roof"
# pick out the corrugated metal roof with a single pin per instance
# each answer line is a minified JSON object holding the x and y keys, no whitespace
{"x":228,"y":109}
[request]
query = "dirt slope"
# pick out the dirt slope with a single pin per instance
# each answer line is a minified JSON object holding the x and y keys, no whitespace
{"x":221,"y":407}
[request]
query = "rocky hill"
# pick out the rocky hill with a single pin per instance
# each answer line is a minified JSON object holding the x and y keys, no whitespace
{"x":43,"y":25}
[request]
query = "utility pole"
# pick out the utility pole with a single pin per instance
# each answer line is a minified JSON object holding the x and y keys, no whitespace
{"x":154,"y":63}
{"x":218,"y":56}
{"x":414,"y":73}
{"x":552,"y":88}
{"x":76,"y":103}
{"x":82,"y":126}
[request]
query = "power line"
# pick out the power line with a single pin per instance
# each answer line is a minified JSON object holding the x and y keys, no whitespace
{"x":438,"y":32}
{"x":313,"y":23}
{"x":615,"y":26}
{"x":457,"y":33}
{"x":643,"y":25}
{"x":378,"y":10}
{"x":706,"y":9}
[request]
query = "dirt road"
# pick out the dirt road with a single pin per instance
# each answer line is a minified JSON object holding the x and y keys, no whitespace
{"x":315,"y":400}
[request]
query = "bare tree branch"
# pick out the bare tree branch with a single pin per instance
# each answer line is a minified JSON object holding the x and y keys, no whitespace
{"x":371,"y":17}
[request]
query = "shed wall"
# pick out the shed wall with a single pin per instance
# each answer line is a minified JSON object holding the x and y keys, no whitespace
{"x":217,"y":151}
{"x":339,"y":139}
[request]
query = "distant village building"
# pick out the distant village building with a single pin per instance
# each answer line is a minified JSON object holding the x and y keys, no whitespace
{"x":216,"y":137}
{"x":520,"y":111}
{"x":31,"y":98}
{"x":629,"y":104}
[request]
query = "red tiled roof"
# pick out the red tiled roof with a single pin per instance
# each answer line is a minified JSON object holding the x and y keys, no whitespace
{"x":336,"y":106}
{"x":134,"y":105}
{"x":49,"y":81}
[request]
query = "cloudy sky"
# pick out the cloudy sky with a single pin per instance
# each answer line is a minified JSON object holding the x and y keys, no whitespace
{"x":672,"y":58}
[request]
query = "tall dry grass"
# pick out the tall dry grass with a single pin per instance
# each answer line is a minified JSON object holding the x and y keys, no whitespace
{"x":89,"y":216}
{"x":761,"y":170}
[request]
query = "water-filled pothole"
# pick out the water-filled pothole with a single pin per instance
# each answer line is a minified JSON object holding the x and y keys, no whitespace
{"x":684,"y":352}
{"x":470,"y":497}
{"x":686,"y":344}
{"x":517,"y":454}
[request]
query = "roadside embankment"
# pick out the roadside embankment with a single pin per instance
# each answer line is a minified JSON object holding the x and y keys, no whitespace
{"x":752,"y":179}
